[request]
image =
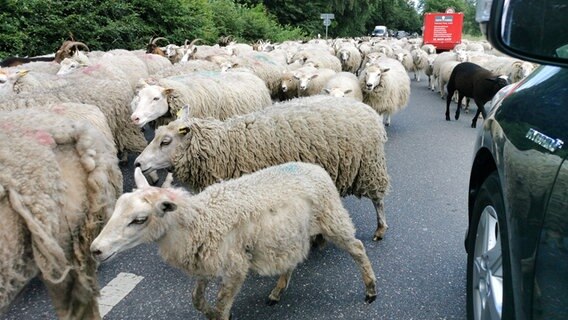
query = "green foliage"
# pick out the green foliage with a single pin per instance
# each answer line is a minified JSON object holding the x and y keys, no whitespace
{"x":36,"y":27}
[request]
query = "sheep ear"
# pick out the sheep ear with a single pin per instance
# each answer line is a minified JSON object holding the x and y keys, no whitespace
{"x":168,"y":181}
{"x":327,"y":90}
{"x":183,"y":113}
{"x":348,"y":91}
{"x":164,"y":206}
{"x":142,"y":83}
{"x":385,"y":69}
{"x":314,"y":76}
{"x":168,"y":91}
{"x":139,"y":178}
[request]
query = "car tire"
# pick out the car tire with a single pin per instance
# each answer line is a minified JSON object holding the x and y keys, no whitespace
{"x":489,"y":290}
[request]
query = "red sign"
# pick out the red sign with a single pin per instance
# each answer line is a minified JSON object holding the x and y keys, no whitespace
{"x":443,"y":30}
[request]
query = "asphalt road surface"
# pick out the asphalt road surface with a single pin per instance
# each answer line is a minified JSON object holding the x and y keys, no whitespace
{"x":420,"y":265}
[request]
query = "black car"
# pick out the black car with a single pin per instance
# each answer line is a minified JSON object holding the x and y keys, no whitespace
{"x":517,"y":237}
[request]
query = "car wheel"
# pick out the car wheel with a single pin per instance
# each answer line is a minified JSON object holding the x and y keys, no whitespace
{"x":488,"y":266}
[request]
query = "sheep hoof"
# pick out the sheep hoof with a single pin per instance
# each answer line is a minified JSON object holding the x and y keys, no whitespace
{"x":457,"y":116}
{"x":379,"y":234}
{"x":318,"y":241}
{"x":447,"y":118}
{"x":473,"y":125}
{"x":370,"y":298}
{"x":271,"y":302}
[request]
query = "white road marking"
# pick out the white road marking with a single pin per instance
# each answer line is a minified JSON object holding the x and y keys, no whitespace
{"x":116,"y":290}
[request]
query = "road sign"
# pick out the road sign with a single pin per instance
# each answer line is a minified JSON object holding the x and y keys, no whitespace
{"x":327,"y":16}
{"x":326,"y":22}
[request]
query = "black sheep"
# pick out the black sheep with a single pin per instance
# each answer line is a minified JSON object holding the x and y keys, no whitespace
{"x":473,"y":81}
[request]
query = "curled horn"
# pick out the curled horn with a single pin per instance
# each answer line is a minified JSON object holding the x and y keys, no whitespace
{"x":194,"y":41}
{"x":79,"y":44}
{"x":158,"y":38}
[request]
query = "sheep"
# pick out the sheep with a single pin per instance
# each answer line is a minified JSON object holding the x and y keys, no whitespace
{"x":263,"y":66}
{"x":429,"y":70}
{"x":236,"y":226}
{"x":515,"y":69}
{"x":343,"y":84}
{"x":154,"y":63}
{"x":445,"y":72}
{"x":58,"y":186}
{"x":344,"y":136}
{"x":311,"y":81}
{"x":405,"y":58}
{"x":473,"y":81}
{"x":113,"y":98}
{"x":429,"y":48}
{"x":386,"y":87}
{"x":288,"y":86}
{"x":420,"y":62}
{"x":8,"y":78}
{"x":208,"y":94}
{"x":460,"y":56}
{"x":124,"y":66}
{"x":318,"y":59}
{"x":350,"y":58}
{"x":190,"y":66}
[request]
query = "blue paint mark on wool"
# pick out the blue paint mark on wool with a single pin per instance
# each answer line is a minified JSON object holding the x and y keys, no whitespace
{"x":289,"y":168}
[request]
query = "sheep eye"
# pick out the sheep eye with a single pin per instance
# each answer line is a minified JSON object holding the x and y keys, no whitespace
{"x":2,"y":80}
{"x":139,"y":221}
{"x":156,"y":98}
{"x":166,"y":141}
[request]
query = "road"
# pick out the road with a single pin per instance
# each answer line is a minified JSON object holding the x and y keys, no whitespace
{"x":420,"y":265}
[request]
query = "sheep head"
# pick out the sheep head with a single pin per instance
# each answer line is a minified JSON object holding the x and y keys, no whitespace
{"x":139,"y":217}
{"x":68,"y":49}
{"x":160,"y":151}
{"x":150,"y":103}
{"x":304,"y":76}
{"x":337,"y":92}
{"x":8,"y":79}
{"x":373,"y":74}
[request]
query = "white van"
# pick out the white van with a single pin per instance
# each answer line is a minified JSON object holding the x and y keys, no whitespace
{"x":379,"y":31}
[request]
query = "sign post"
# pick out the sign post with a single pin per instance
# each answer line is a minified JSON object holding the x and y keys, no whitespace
{"x":327,"y":17}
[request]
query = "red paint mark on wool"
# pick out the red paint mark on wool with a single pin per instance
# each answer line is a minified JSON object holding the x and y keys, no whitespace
{"x":91,"y":69}
{"x":59,"y":109}
{"x":172,"y":195}
{"x":7,"y":127}
{"x":42,"y":137}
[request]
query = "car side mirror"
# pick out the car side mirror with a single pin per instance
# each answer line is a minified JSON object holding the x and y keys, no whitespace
{"x":532,"y":30}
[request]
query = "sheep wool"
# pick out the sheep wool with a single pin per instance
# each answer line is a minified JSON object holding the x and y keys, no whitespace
{"x":58,"y":186}
{"x":344,"y":136}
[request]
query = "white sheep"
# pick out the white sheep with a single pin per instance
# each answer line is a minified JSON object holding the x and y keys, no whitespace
{"x":429,"y":48}
{"x":208,"y":94}
{"x":429,"y":70}
{"x":262,"y":221}
{"x":183,"y":68}
{"x":350,"y":58}
{"x":8,"y":79}
{"x":405,"y":58}
{"x":113,"y":98}
{"x":344,"y":136}
{"x":343,"y":84}
{"x":445,"y":72}
{"x":154,"y":62}
{"x":58,"y":186}
{"x":386,"y":87}
{"x":317,"y":58}
{"x":420,"y":62}
{"x":461,"y":56}
{"x":515,"y":69}
{"x":311,"y":81}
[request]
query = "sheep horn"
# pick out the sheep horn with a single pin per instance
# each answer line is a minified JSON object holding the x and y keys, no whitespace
{"x":158,"y":38}
{"x":194,"y":41}
{"x":79,"y":44}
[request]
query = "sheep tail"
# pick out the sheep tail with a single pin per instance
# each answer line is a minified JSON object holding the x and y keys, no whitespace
{"x":49,"y":256}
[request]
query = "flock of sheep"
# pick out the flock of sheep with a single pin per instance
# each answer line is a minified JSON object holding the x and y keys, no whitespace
{"x":239,"y":126}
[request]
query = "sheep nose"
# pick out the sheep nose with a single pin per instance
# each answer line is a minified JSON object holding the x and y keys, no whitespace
{"x":284,"y":89}
{"x":96,"y":252}
{"x":369,"y":85}
{"x":137,"y":163}
{"x":135,"y":119}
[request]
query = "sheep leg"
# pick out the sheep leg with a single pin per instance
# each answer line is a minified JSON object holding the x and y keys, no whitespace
{"x":460,"y":99}
{"x":281,"y":285}
{"x":229,"y":288}
{"x":387,"y":119}
{"x":198,"y":298}
{"x":381,"y":220}
{"x":68,"y":303}
{"x":345,"y":239}
{"x":480,"y":110}
{"x":448,"y":102}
